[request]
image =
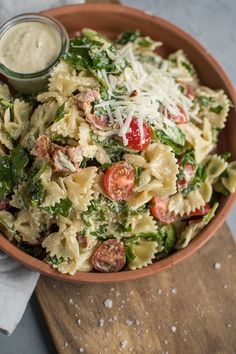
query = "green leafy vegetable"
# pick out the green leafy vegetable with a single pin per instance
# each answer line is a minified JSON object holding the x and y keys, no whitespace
{"x":225,"y":156}
{"x":197,"y":181}
{"x":188,"y":157}
{"x":12,"y":170}
{"x":55,"y":260}
{"x":175,"y":135}
{"x":169,"y":237}
{"x":129,"y":36}
{"x":220,"y":188}
{"x":130,"y":256}
{"x":60,"y":113}
{"x":208,"y":217}
{"x":145,"y":42}
{"x":61,"y":208}
{"x":216,"y":109}
{"x":204,"y":101}
{"x":163,"y":138}
{"x":35,"y":187}
{"x":189,"y":67}
{"x":19,"y":160}
{"x":112,"y":146}
{"x":105,"y":166}
{"x":137,"y":171}
{"x":100,"y":233}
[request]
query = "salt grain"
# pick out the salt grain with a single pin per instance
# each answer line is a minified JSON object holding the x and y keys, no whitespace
{"x":174,"y":291}
{"x":129,"y":322}
{"x":101,"y":322}
{"x":66,"y":344}
{"x":108,"y":303}
{"x":123,"y":344}
{"x":81,"y":350}
{"x":137,"y":322}
{"x":225,"y":286}
{"x":71,"y":301}
{"x":79,"y":322}
{"x":173,"y":329}
{"x":217,"y":266}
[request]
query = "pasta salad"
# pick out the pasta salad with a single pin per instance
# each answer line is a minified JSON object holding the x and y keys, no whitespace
{"x":114,"y":166}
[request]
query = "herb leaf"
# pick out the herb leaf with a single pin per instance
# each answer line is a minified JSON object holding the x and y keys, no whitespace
{"x":60,"y":113}
{"x":61,"y":208}
{"x":129,"y":36}
{"x":216,"y":109}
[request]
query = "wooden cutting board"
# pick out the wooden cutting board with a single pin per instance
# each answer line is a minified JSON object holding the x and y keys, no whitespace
{"x":190,"y":308}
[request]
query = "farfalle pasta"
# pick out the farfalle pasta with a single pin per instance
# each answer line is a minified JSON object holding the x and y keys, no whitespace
{"x":115,"y":165}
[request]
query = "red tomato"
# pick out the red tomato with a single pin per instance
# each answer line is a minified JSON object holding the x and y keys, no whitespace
{"x":180,"y":118}
{"x":118,"y":181}
{"x":202,"y":211}
{"x":159,"y":209}
{"x":134,"y":138}
{"x":109,"y":256}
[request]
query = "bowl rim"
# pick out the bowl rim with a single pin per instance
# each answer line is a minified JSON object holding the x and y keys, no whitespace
{"x":197,"y":242}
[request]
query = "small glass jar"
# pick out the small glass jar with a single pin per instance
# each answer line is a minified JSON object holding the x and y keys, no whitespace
{"x":34,"y":81}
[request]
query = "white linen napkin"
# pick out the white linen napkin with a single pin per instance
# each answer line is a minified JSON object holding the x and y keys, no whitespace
{"x":16,"y":286}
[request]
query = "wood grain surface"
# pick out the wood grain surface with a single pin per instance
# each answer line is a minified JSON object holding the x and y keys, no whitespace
{"x":190,"y":308}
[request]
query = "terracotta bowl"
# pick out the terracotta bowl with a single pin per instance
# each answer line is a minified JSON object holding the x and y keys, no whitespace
{"x":111,"y":20}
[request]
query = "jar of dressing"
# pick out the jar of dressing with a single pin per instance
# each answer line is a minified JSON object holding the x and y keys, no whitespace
{"x":30,"y":46}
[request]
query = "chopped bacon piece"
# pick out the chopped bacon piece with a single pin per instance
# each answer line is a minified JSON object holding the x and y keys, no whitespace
{"x":4,"y":204}
{"x":41,"y":148}
{"x":99,"y":122}
{"x":82,"y":240}
{"x":85,"y":98}
{"x":62,"y":158}
{"x":65,"y":158}
{"x":134,"y":93}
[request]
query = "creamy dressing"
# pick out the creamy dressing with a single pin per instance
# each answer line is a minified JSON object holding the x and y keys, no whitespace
{"x":30,"y":47}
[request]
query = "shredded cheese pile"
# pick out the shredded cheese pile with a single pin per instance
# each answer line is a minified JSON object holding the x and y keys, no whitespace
{"x":156,"y":93}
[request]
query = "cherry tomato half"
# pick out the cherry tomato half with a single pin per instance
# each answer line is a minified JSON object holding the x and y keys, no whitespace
{"x":118,"y":181}
{"x":188,"y":171}
{"x":159,"y":209}
{"x":109,"y":256}
{"x":134,"y":138}
{"x":201,"y":211}
{"x":180,"y":118}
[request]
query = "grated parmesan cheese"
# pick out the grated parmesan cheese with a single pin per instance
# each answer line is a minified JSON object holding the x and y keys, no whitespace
{"x":156,"y":89}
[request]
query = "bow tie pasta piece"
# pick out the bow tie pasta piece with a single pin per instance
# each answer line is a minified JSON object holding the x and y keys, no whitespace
{"x":215,"y":165}
{"x":29,"y":223}
{"x":229,"y":182}
{"x":215,"y":105}
{"x":144,"y":253}
{"x":55,"y":191}
{"x":65,"y":80}
{"x":79,"y":187}
{"x":89,"y":148}
{"x":68,"y":126}
{"x":180,"y":67}
{"x":184,"y":205}
{"x":189,"y":233}
{"x":16,"y":124}
{"x":206,"y":191}
{"x":41,"y":119}
{"x":7,"y":224}
{"x":65,"y":247}
{"x":159,"y":175}
{"x":194,"y":136}
{"x":143,"y":223}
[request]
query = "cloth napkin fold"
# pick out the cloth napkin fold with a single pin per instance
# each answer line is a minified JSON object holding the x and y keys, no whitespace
{"x":16,"y":286}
